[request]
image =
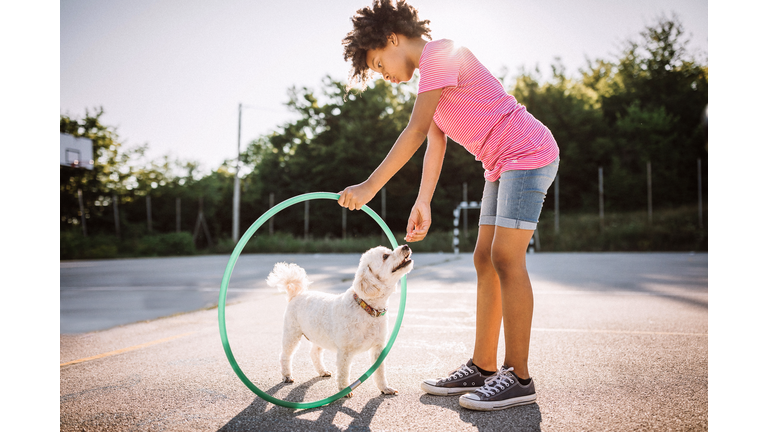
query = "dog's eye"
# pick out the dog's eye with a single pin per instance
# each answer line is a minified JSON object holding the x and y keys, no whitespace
{"x":386,"y":256}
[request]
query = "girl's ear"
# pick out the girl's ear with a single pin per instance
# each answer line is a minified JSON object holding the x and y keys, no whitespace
{"x":393,"y":39}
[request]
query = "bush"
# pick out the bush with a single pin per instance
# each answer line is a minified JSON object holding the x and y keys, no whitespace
{"x":672,"y":230}
{"x":73,"y":245}
{"x":281,"y":242}
{"x":169,"y":244}
{"x":287,"y":243}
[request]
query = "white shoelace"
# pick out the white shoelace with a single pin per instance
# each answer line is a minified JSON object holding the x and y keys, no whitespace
{"x":496,"y":383}
{"x":459,"y":373}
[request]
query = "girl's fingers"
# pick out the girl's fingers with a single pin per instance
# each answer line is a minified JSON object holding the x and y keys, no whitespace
{"x":345,"y":200}
{"x":416,"y":234}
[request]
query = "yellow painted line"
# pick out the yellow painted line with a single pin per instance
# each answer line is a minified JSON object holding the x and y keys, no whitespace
{"x":123,"y":350}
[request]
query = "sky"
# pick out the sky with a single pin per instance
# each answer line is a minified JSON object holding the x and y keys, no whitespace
{"x":171,"y":74}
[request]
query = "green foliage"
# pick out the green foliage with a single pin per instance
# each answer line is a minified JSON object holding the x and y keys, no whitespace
{"x":73,"y":245}
{"x":672,"y":230}
{"x":571,"y":111}
{"x":96,"y":185}
{"x":645,"y":106}
{"x":334,"y":144}
{"x":121,"y":173}
{"x":337,"y":143}
{"x":168,"y":244}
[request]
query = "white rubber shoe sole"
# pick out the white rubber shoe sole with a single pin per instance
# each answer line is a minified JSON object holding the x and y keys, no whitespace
{"x":430,"y":386}
{"x":471,"y":401}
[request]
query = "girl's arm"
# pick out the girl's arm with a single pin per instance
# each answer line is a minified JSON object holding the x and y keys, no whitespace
{"x":421,"y":214}
{"x":355,"y":197}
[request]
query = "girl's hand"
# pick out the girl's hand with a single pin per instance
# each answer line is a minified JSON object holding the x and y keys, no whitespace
{"x":418,"y":222}
{"x":355,"y":197}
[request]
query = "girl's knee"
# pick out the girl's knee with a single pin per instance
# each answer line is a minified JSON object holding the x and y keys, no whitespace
{"x":508,"y":264}
{"x":482,"y":259}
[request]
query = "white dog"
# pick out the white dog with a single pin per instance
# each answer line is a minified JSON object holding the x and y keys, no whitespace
{"x":348,"y":323}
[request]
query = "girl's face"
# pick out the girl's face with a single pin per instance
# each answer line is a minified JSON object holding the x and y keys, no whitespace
{"x":391,"y":61}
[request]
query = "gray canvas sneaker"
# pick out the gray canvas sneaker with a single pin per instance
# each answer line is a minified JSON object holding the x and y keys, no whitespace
{"x":500,"y":391}
{"x":465,"y":379}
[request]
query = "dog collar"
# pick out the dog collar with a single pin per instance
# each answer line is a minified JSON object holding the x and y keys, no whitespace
{"x":371,"y":311}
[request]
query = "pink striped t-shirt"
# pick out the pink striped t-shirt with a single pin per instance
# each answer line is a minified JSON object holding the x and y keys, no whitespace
{"x":476,"y":112}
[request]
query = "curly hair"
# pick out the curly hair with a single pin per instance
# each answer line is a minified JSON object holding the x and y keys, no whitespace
{"x":371,"y":27}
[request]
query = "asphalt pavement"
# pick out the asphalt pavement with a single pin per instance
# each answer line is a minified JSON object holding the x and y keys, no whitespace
{"x":619,"y":342}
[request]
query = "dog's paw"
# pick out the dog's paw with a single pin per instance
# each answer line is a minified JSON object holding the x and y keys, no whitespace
{"x":326,"y":373}
{"x":389,"y":391}
{"x":348,"y":395}
{"x":287,"y":380}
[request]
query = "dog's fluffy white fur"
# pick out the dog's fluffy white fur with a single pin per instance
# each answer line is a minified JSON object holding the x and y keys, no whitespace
{"x":337,"y":322}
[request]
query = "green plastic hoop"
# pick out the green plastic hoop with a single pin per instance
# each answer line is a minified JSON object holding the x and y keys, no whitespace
{"x":223,"y":299}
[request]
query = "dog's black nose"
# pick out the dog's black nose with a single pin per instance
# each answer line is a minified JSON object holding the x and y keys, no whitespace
{"x":406,"y":248}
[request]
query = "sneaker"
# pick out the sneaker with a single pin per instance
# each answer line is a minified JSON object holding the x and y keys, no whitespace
{"x":500,"y":391}
{"x":465,"y":379}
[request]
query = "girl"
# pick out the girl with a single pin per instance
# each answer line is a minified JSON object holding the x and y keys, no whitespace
{"x":458,"y":97}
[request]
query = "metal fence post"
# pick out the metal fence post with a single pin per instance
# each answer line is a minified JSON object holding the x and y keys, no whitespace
{"x":272,"y":219}
{"x":557,"y":204}
{"x":343,"y":222}
{"x":464,"y":210}
{"x":701,"y":204}
{"x":384,"y":211}
{"x":600,"y":189}
{"x":650,"y":195}
{"x":201,"y":223}
{"x":149,"y":213}
{"x":117,"y":215}
{"x":82,"y":211}
{"x":178,"y":214}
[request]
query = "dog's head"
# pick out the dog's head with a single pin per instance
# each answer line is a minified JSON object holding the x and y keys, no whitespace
{"x":379,"y":270}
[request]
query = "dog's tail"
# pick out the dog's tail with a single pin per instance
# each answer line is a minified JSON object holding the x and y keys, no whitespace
{"x":289,"y":278}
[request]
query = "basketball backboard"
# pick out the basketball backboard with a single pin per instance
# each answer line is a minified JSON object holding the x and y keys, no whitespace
{"x":76,"y":152}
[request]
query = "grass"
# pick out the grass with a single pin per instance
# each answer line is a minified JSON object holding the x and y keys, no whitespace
{"x":671,"y":230}
{"x":286,"y":243}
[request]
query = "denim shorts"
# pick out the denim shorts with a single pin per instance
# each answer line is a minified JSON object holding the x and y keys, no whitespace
{"x":515,"y":199}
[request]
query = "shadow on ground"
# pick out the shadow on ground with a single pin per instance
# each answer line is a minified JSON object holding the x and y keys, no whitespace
{"x":521,"y":418}
{"x":262,"y":415}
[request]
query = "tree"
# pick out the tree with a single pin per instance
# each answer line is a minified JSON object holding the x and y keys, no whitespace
{"x":571,"y":111}
{"x":119,"y":171}
{"x":338,"y":142}
{"x":108,"y":176}
{"x":334,"y":143}
{"x":645,"y":106}
{"x":653,"y":99}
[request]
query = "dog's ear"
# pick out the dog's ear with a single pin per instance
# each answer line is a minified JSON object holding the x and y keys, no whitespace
{"x":366,"y":281}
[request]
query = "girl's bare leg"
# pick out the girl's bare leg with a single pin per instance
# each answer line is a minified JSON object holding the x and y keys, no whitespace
{"x":508,"y":256}
{"x":503,"y":289}
{"x":488,"y":320}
